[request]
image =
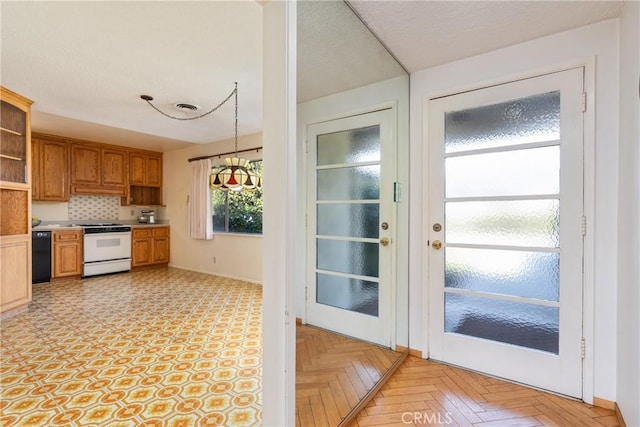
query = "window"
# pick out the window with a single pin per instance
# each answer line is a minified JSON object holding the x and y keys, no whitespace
{"x":238,"y":211}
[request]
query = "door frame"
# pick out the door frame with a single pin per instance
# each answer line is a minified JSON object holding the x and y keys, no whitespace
{"x":588,"y":64}
{"x":304,"y":163}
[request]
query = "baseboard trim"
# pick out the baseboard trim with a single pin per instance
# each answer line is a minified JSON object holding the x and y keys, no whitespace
{"x":604,"y":403}
{"x":619,"y":416}
{"x":412,"y":352}
{"x":611,"y":405}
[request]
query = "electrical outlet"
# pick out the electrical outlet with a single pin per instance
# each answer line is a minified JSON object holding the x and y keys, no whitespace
{"x":214,"y":260}
{"x":132,"y":212}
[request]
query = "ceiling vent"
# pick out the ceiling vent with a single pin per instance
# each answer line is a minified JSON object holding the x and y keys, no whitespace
{"x":182,"y":106}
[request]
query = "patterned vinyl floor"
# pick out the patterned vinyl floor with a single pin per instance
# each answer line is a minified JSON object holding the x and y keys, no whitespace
{"x":160,"y":347}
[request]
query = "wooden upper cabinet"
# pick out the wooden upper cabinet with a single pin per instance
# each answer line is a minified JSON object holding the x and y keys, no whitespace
{"x":98,"y":170}
{"x":35,"y":170}
{"x":114,"y":167}
{"x":85,"y":165}
{"x":50,"y":170}
{"x":137,"y":163}
{"x":145,"y":169}
{"x":154,"y":171}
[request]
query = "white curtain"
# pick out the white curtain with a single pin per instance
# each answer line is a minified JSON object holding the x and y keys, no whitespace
{"x":200,"y":222}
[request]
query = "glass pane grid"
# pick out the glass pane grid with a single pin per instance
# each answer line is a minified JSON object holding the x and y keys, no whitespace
{"x":517,"y":121}
{"x":522,"y":274}
{"x":349,"y":146}
{"x":510,"y":173}
{"x":524,"y":223}
{"x":521,"y":324}
{"x":502,"y":222}
{"x":351,"y":294}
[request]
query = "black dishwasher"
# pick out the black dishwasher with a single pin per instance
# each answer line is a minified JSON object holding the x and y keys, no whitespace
{"x":41,"y":256}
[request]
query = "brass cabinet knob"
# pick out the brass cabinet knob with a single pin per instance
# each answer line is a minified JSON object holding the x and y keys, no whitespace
{"x":384,"y":241}
{"x":436,"y":244}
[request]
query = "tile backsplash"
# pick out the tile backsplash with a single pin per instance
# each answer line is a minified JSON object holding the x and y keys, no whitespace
{"x":94,"y":207}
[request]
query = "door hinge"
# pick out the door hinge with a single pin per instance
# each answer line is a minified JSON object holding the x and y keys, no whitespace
{"x":306,"y":220}
{"x":306,"y":146}
{"x":305,"y":293}
{"x":583,"y":345}
{"x":396,"y":192}
{"x":584,"y":226}
{"x":584,"y":101}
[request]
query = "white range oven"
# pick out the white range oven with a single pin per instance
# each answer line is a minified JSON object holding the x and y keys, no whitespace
{"x":107,"y":248}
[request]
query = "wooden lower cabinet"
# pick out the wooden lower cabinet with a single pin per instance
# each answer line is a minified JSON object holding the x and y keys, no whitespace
{"x":67,"y":253}
{"x":15,"y":272}
{"x":150,"y":246}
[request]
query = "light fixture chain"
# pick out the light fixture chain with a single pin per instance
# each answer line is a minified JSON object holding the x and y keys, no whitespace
{"x":236,"y":130}
{"x":233,"y":92}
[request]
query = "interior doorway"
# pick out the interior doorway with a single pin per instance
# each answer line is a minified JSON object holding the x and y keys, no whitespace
{"x":506,"y":229}
{"x":350,"y":226}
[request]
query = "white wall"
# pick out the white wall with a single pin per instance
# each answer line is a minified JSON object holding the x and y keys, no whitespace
{"x":280,"y":213}
{"x":237,"y":256}
{"x":363,"y":99}
{"x":628,"y":334}
{"x":599,"y":41}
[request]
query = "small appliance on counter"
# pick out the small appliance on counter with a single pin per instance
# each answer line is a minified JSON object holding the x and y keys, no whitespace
{"x":147,"y":217}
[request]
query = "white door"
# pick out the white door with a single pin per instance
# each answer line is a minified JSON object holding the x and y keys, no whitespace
{"x":506,"y":205}
{"x":350,"y":228}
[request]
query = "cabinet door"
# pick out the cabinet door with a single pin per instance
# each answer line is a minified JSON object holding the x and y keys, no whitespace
{"x":141,"y":252}
{"x":53,"y":173}
{"x":114,"y":167}
{"x":137,"y":169}
{"x":35,"y":169}
{"x":154,"y":171}
{"x":160,"y":250}
{"x":15,"y":273}
{"x":85,"y":165}
{"x":67,"y":259}
{"x":67,"y":253}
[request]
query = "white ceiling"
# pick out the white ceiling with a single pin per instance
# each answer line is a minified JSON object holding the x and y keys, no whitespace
{"x":422,"y":34}
{"x":86,"y":63}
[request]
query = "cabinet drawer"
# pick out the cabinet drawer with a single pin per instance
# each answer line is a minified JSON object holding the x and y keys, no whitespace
{"x":139,"y":233}
{"x":160,"y":232}
{"x":67,"y":236}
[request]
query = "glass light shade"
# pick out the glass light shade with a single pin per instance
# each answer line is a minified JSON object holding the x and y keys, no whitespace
{"x":235,"y":175}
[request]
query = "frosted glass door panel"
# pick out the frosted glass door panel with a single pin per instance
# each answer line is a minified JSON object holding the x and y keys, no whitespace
{"x":519,"y":121}
{"x":357,"y":258}
{"x":350,"y":146}
{"x":349,"y":183}
{"x":507,"y":222}
{"x":520,"y":324}
{"x":516,"y":273}
{"x":346,"y":293}
{"x":508,"y":173}
{"x":349,"y":220}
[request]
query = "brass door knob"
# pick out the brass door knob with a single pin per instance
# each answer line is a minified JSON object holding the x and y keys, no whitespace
{"x":384,"y":241}
{"x":436,"y":244}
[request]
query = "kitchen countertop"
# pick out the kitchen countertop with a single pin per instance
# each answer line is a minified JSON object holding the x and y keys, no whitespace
{"x":66,"y":225}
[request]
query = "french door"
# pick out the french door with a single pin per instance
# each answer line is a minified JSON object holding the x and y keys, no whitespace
{"x":349,"y":223}
{"x":505,"y":230}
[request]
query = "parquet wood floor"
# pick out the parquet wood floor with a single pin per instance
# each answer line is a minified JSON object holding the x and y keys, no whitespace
{"x":333,"y":373}
{"x":422,"y":392}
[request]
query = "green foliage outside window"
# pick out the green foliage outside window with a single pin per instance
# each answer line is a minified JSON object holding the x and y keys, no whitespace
{"x":238,"y":211}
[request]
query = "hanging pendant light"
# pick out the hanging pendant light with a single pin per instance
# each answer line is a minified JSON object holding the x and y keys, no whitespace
{"x":236,"y":174}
